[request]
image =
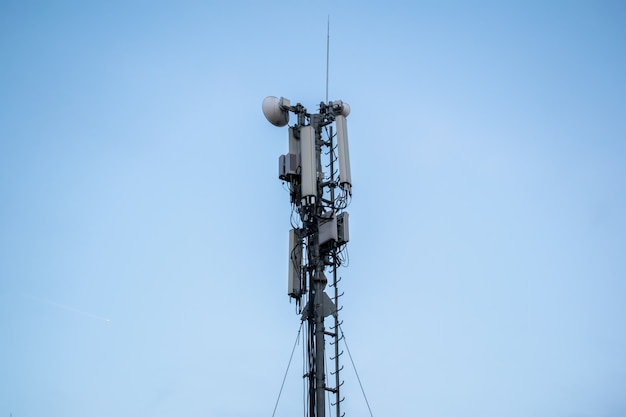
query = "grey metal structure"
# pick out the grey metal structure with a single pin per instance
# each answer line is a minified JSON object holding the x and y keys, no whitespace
{"x":317,"y":170}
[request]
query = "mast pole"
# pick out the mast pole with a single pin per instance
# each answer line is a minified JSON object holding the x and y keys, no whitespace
{"x":319,"y":282}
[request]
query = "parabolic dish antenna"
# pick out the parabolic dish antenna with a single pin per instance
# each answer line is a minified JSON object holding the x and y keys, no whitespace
{"x":275,"y":110}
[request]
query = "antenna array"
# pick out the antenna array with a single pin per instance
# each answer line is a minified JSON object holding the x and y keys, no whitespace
{"x":317,"y":169}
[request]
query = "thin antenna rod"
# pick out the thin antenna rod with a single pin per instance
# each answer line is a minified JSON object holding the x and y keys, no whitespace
{"x":327,"y":53}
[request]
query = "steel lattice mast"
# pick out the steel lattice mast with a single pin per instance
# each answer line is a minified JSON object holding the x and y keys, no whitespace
{"x":317,"y":169}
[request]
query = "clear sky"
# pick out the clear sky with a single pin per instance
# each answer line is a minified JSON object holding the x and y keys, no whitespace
{"x":143,"y":229}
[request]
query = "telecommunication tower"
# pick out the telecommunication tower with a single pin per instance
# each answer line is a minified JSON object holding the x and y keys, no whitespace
{"x":317,"y":170}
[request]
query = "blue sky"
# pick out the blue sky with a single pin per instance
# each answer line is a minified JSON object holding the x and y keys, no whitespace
{"x":144,"y":229}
